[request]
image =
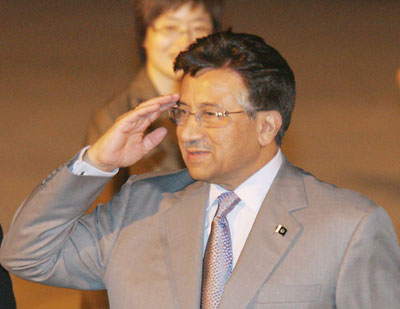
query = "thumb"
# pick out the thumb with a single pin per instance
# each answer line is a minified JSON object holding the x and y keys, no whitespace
{"x":154,"y":138}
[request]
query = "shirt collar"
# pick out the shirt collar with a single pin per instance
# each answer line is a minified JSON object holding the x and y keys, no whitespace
{"x":254,"y":189}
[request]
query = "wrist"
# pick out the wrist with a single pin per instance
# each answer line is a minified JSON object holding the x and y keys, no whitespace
{"x":88,"y":158}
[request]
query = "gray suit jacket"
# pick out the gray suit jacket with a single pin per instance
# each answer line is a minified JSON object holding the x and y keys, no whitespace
{"x":146,"y":245}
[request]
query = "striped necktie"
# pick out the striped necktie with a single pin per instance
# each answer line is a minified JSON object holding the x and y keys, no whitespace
{"x":217,"y":263}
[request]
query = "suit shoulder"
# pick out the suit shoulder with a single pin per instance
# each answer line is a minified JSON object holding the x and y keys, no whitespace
{"x":333,"y":197}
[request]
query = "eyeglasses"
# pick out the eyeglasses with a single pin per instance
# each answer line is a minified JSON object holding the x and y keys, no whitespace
{"x":207,"y":119}
{"x":174,"y":32}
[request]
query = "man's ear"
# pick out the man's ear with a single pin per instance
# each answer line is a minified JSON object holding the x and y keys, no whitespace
{"x":268,"y":126}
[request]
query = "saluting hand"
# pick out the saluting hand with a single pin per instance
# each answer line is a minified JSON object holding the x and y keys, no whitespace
{"x":125,"y":142}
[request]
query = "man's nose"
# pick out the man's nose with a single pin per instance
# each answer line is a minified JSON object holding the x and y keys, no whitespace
{"x":191,"y":130}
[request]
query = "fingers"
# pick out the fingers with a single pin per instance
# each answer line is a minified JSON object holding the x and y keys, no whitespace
{"x":125,"y":142}
{"x":149,"y":110}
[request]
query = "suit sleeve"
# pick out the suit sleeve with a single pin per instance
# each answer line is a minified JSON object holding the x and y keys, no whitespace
{"x":51,"y":240}
{"x":370,"y":272}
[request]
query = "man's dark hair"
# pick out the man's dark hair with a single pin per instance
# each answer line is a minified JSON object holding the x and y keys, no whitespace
{"x":269,"y":80}
{"x":146,"y":11}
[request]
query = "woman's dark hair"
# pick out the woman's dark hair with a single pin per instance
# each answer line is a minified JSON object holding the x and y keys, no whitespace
{"x":146,"y":11}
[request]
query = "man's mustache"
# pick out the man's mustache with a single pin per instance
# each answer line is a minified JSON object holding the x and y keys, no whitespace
{"x":201,"y":145}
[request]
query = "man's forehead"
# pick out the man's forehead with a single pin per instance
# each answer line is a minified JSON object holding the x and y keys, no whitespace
{"x":219,"y":86}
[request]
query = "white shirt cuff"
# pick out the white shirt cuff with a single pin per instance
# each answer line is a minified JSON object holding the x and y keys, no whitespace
{"x":82,"y":168}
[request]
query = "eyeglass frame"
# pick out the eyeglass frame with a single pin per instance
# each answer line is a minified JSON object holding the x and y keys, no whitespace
{"x":199,"y":115}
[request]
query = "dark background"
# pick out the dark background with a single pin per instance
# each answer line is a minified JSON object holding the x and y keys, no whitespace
{"x":61,"y":60}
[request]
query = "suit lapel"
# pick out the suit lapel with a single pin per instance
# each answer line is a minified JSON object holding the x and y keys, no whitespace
{"x":264,"y":248}
{"x":184,"y":228}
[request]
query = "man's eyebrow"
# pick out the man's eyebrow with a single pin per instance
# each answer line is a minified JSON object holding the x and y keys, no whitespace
{"x":203,"y":104}
{"x":180,"y":103}
{"x":209,"y":104}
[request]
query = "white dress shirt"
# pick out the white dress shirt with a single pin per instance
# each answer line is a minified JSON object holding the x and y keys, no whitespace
{"x":80,"y":167}
{"x":252,"y":193}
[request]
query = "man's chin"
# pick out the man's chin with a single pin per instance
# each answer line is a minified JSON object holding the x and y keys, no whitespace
{"x":199,"y":174}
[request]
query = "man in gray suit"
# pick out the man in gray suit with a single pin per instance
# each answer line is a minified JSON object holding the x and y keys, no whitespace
{"x":241,"y":228}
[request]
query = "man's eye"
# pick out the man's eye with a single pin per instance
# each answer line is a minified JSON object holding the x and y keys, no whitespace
{"x":184,"y":112}
{"x":210,"y":114}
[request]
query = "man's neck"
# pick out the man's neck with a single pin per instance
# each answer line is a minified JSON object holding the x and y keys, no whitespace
{"x":232,"y":184}
{"x":258,"y":183}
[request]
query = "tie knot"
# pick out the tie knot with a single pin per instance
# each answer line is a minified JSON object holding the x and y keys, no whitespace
{"x":226,"y":202}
